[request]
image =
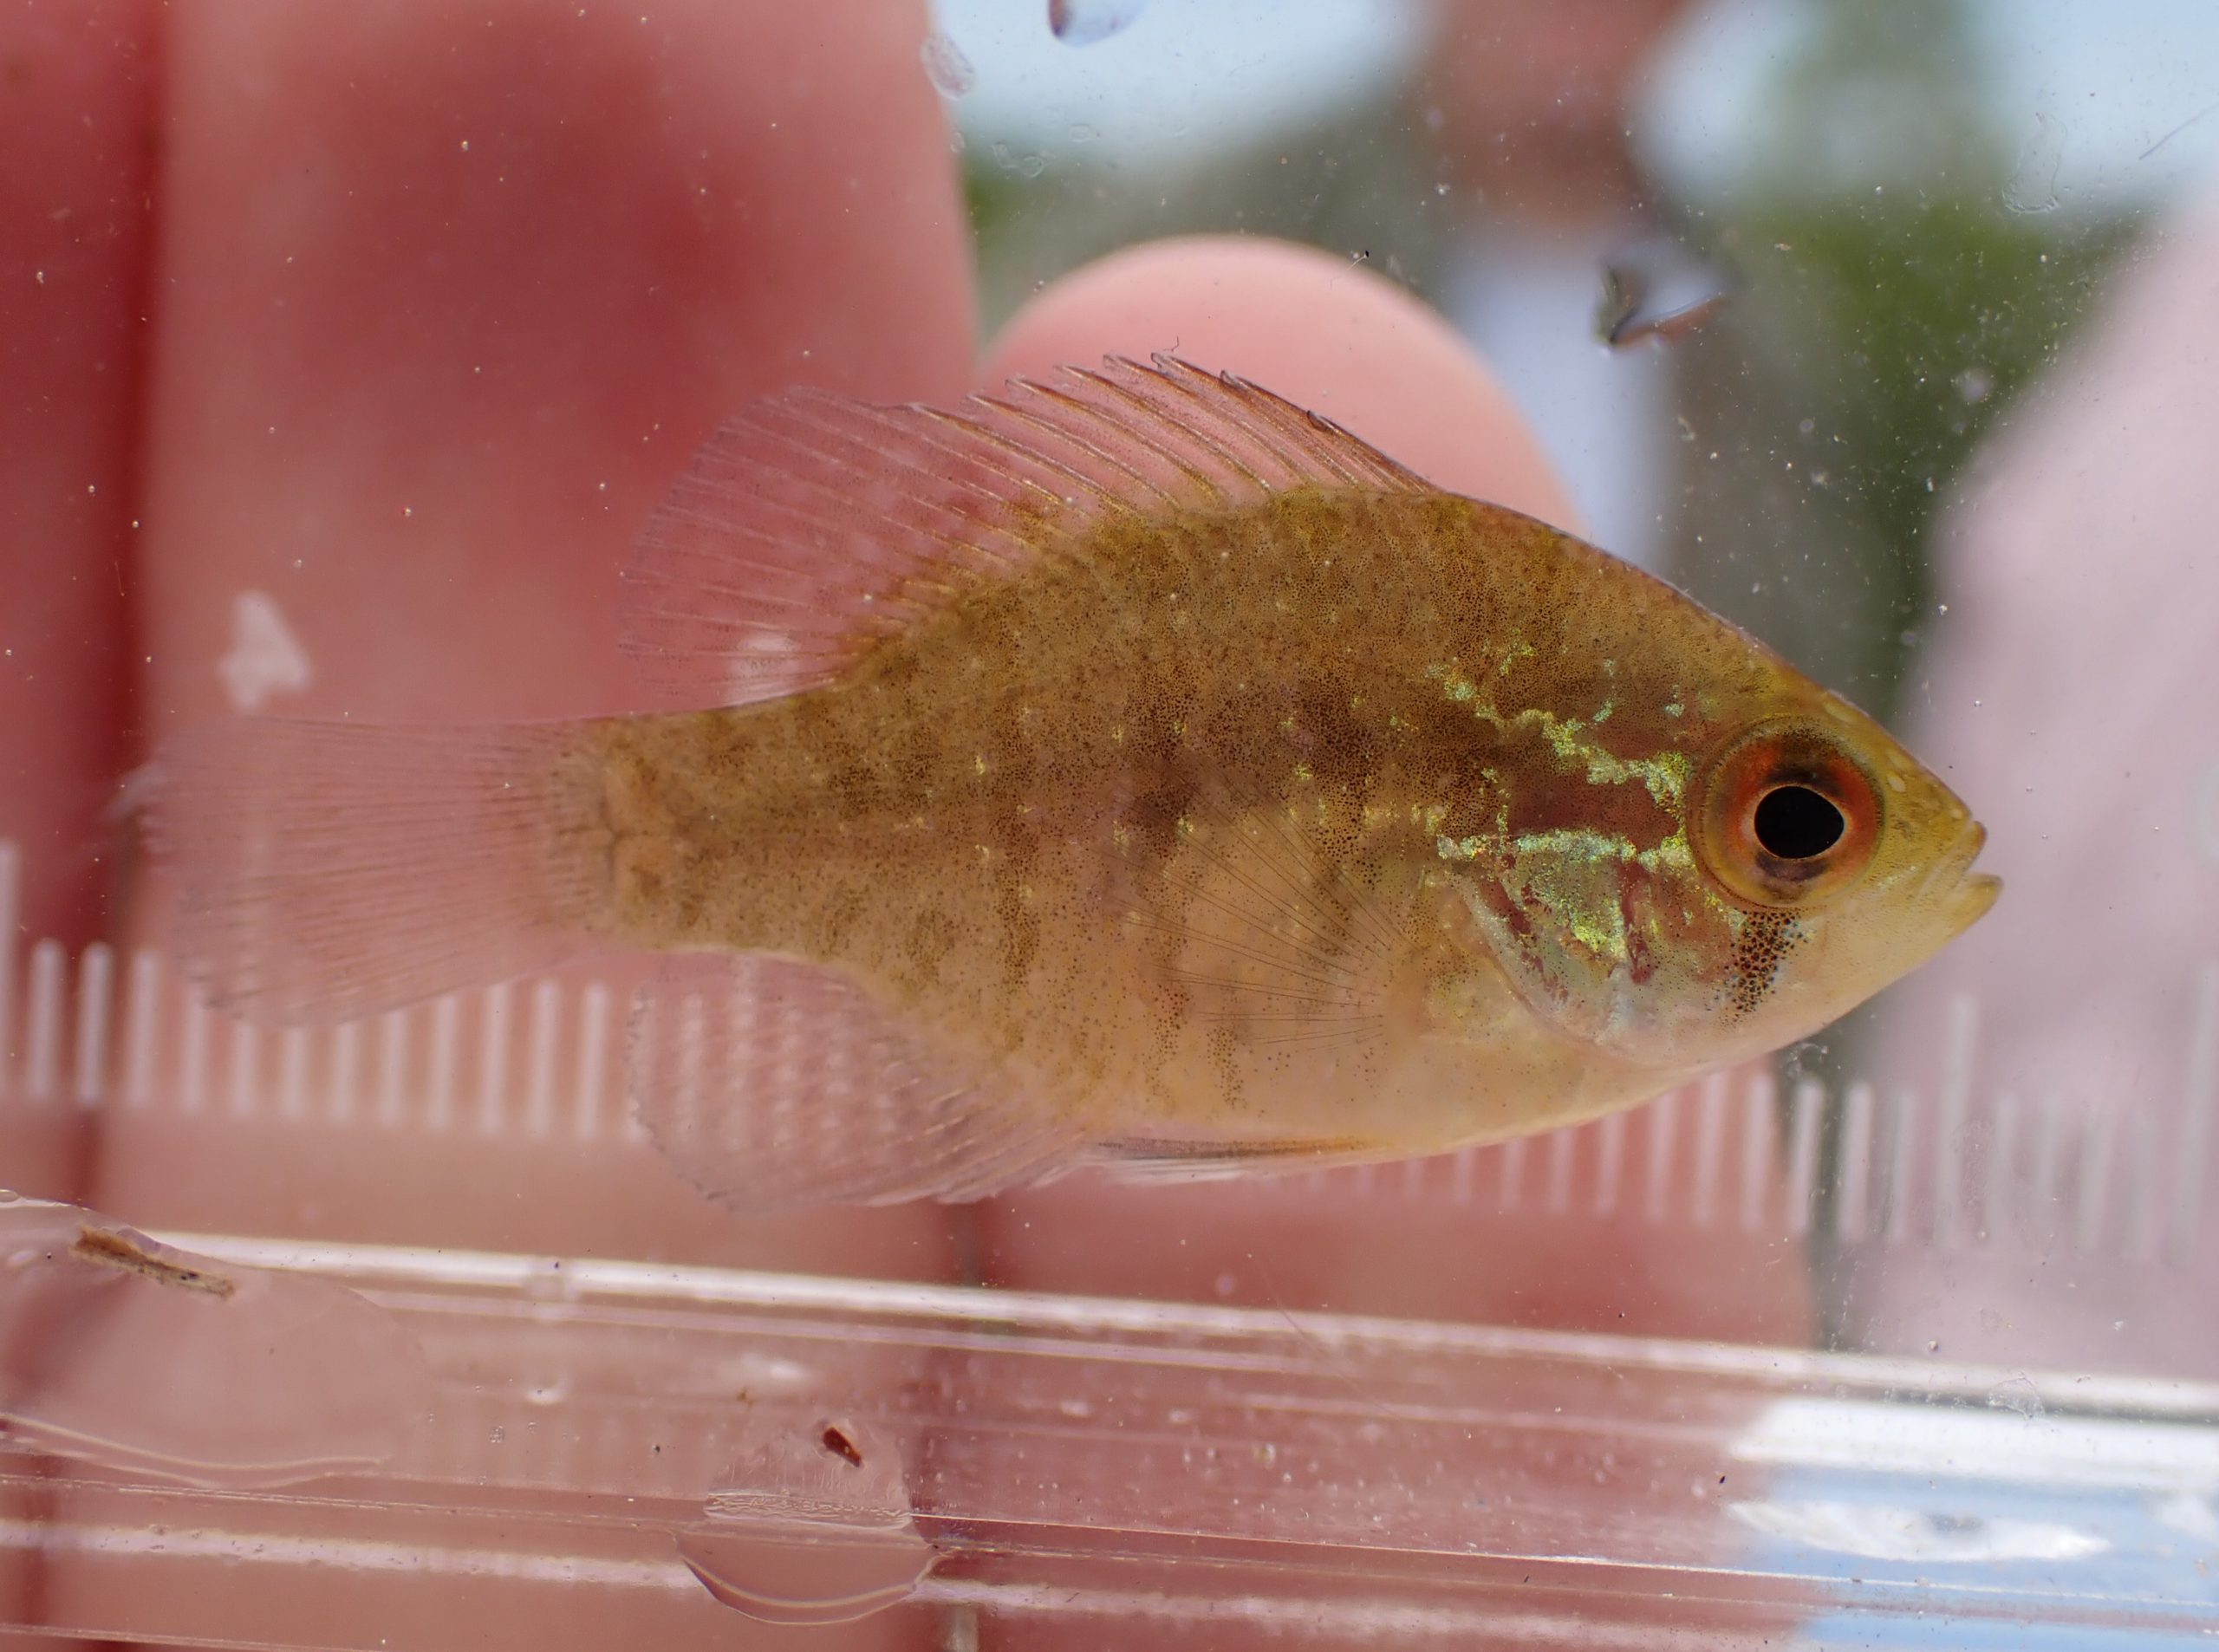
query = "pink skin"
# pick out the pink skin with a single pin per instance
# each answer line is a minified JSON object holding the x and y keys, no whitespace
{"x":388,"y":380}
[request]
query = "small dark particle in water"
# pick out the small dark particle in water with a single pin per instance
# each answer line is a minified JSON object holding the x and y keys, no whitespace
{"x":1081,"y":23}
{"x":107,"y":1248}
{"x":1658,"y":289}
{"x":837,"y":1440}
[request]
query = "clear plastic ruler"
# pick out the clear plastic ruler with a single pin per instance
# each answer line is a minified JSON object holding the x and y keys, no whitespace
{"x":1941,"y":1163}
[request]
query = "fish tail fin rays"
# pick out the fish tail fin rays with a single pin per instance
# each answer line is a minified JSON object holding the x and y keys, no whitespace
{"x":811,"y":527}
{"x":325,"y":871}
{"x":770,"y":1083}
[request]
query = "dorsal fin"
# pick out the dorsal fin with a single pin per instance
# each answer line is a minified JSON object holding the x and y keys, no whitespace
{"x":811,"y":526}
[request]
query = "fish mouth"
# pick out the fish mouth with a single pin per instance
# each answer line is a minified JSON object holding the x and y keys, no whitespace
{"x":1972,"y":893}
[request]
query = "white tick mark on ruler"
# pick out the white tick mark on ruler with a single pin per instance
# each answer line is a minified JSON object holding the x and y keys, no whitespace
{"x":1663,"y":1116}
{"x":192,"y":1080}
{"x":539,"y":1080}
{"x":42,"y":1035}
{"x":1760,"y":1113}
{"x":1513,"y":1172}
{"x":593,"y":1058}
{"x":446,"y":1058}
{"x":1609,"y":1163}
{"x":1563,"y":1144}
{"x":2098,"y":1145}
{"x":245,"y":1052}
{"x":1710,"y":1139}
{"x":346,"y":1072}
{"x":2142,"y":1221}
{"x":493,"y":1057}
{"x":11,"y":919}
{"x":1997,"y":1217}
{"x":1803,"y":1155}
{"x":1956,"y":1110}
{"x":140,"y":1051}
{"x":1896,"y":1193}
{"x":1853,"y":1193}
{"x":95,"y":1007}
{"x":2200,"y":1095}
{"x":393,"y":1067}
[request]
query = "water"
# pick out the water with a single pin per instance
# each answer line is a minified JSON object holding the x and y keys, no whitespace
{"x":127,"y":1353}
{"x":811,"y":1526}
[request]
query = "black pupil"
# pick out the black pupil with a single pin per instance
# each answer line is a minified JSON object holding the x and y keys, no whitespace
{"x":1795,"y":822}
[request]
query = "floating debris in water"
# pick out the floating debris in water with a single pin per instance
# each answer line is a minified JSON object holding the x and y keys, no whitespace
{"x":1658,"y":289}
{"x":1081,"y":23}
{"x":946,"y":65}
{"x":128,"y":1252}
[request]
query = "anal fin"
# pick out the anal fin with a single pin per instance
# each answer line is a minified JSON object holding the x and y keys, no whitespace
{"x":1217,"y":1159}
{"x":771,"y":1083}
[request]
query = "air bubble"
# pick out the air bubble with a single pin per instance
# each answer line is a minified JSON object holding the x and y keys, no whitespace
{"x":813,"y":1525}
{"x":946,"y":65}
{"x":2032,"y":187}
{"x":118,"y":1350}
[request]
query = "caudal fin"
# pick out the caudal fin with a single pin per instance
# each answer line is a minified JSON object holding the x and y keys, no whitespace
{"x":329,"y":870}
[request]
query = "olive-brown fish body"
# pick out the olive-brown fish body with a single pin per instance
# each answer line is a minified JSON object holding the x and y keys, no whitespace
{"x":1165,"y":828}
{"x":1298,"y":811}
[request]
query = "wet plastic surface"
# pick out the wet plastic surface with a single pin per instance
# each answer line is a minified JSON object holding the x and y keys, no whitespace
{"x":1129,"y":1465}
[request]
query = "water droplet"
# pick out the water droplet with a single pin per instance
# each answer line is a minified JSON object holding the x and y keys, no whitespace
{"x":946,"y":65}
{"x":2032,"y":186}
{"x":1082,"y":133}
{"x":1658,"y":289}
{"x":1081,"y":23}
{"x":1973,"y":384}
{"x":812,"y":1527}
{"x":118,"y":1350}
{"x":1032,"y":166}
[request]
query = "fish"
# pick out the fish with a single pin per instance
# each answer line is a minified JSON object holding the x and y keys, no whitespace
{"x":1129,"y":769}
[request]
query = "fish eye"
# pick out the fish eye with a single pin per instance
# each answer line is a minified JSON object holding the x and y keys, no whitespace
{"x":1787,"y":815}
{"x":1796,"y":822}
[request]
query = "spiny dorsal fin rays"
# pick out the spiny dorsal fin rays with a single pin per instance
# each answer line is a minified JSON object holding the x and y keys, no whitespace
{"x":812,"y":526}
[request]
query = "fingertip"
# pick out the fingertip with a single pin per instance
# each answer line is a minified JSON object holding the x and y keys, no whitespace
{"x":1331,"y":336}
